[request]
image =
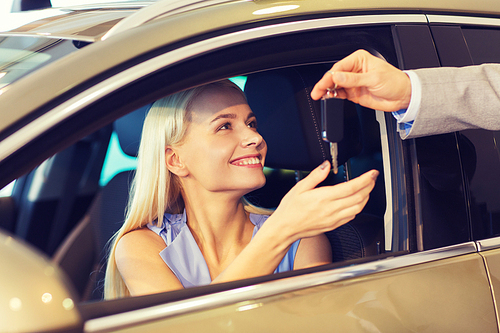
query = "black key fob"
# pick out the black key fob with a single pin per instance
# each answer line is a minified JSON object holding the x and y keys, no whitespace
{"x":332,"y":119}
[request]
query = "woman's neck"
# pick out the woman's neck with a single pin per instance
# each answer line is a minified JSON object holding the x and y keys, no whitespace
{"x":219,"y":224}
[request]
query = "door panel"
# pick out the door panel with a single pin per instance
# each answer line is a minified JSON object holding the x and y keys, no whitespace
{"x":492,"y":259}
{"x":449,"y":295}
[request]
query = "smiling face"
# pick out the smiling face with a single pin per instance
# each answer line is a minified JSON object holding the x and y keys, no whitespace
{"x":222,"y":150}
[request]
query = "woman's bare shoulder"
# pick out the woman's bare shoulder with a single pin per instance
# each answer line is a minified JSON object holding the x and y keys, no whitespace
{"x":140,"y":265}
{"x":141,"y":239}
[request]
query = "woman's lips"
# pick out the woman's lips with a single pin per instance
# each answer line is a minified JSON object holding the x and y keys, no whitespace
{"x":250,"y":161}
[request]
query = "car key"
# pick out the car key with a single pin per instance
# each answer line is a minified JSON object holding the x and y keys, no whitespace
{"x":332,"y":123}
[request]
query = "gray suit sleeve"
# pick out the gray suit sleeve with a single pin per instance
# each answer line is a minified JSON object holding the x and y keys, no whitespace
{"x":455,"y":99}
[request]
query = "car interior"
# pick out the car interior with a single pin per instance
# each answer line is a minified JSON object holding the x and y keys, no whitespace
{"x":64,"y":209}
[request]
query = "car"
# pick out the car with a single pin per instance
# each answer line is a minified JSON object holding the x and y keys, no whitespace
{"x":423,"y":255}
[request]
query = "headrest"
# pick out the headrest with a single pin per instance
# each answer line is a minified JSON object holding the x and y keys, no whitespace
{"x":290,"y":121}
{"x":129,"y":130}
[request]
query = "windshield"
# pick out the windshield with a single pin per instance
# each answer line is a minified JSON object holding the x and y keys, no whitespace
{"x":20,"y":55}
{"x":67,"y":3}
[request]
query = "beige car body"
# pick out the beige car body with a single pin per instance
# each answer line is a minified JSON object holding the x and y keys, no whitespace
{"x":447,"y":295}
{"x":451,"y":289}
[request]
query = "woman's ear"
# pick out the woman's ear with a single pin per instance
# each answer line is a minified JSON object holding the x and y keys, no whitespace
{"x":174,"y":163}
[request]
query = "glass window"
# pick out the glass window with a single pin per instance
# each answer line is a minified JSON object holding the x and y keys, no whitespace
{"x":480,"y":153}
{"x":17,"y":62}
{"x":484,"y":44}
{"x":480,"y":156}
{"x":441,"y":191}
{"x":22,"y":55}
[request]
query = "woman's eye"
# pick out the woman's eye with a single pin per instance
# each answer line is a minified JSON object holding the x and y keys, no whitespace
{"x":252,"y":124}
{"x":225,"y":126}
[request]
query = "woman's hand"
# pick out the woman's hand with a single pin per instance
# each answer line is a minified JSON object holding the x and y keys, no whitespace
{"x":307,"y":211}
{"x":367,"y":80}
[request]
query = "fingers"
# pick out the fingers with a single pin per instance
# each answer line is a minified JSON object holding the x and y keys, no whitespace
{"x":313,"y":179}
{"x":347,"y":189}
{"x":342,"y":190}
{"x":341,"y":203}
{"x":367,"y":80}
{"x":343,"y":80}
{"x":321,"y":87}
{"x":354,"y":63}
{"x":348,"y":199}
{"x":337,"y":213}
{"x":324,"y":208}
{"x":352,"y":205}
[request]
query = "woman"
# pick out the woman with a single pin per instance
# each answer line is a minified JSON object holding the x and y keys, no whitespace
{"x":188,"y":223}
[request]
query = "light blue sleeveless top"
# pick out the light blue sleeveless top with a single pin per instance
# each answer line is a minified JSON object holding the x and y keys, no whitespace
{"x":184,"y":258}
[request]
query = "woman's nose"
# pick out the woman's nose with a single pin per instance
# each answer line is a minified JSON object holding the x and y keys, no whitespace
{"x":252,"y":138}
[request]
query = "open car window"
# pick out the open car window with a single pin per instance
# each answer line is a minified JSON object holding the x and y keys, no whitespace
{"x":278,"y":62}
{"x":75,"y":201}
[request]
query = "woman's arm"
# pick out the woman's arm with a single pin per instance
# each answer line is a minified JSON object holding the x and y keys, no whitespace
{"x":304,"y":213}
{"x":313,"y":251}
{"x":141,"y":267}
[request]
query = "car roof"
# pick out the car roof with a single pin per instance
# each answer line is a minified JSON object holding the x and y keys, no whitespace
{"x":215,"y":15}
{"x":93,"y":20}
{"x":84,"y":23}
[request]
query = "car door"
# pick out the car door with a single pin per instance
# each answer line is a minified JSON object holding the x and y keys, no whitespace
{"x":477,"y":42}
{"x":442,"y":286}
{"x":407,"y":287}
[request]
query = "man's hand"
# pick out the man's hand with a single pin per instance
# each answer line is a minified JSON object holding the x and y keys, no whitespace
{"x":367,"y":80}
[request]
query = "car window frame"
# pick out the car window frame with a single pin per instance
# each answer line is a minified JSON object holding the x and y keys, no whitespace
{"x":227,"y":287}
{"x":74,"y":106}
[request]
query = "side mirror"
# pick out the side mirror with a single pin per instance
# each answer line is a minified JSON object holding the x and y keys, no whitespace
{"x":34,"y":294}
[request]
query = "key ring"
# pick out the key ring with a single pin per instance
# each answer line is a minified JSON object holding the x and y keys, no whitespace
{"x":330,"y":90}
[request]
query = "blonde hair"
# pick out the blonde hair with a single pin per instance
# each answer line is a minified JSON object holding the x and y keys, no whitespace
{"x":155,"y":190}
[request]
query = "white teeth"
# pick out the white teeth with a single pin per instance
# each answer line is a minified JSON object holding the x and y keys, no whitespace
{"x":248,"y":161}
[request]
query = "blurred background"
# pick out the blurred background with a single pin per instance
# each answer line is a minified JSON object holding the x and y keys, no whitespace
{"x":15,"y":13}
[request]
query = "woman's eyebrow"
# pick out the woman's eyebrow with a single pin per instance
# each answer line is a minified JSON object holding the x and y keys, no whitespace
{"x":224,"y":116}
{"x":251,"y":115}
{"x":231,"y":116}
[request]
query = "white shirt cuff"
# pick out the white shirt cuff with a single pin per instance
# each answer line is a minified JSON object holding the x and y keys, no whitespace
{"x":416,"y":96}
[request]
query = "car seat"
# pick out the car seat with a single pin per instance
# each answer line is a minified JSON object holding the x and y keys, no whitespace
{"x":84,"y":252}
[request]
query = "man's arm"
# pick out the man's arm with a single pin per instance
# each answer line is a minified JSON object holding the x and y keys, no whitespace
{"x":455,"y":99}
{"x":451,"y":98}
